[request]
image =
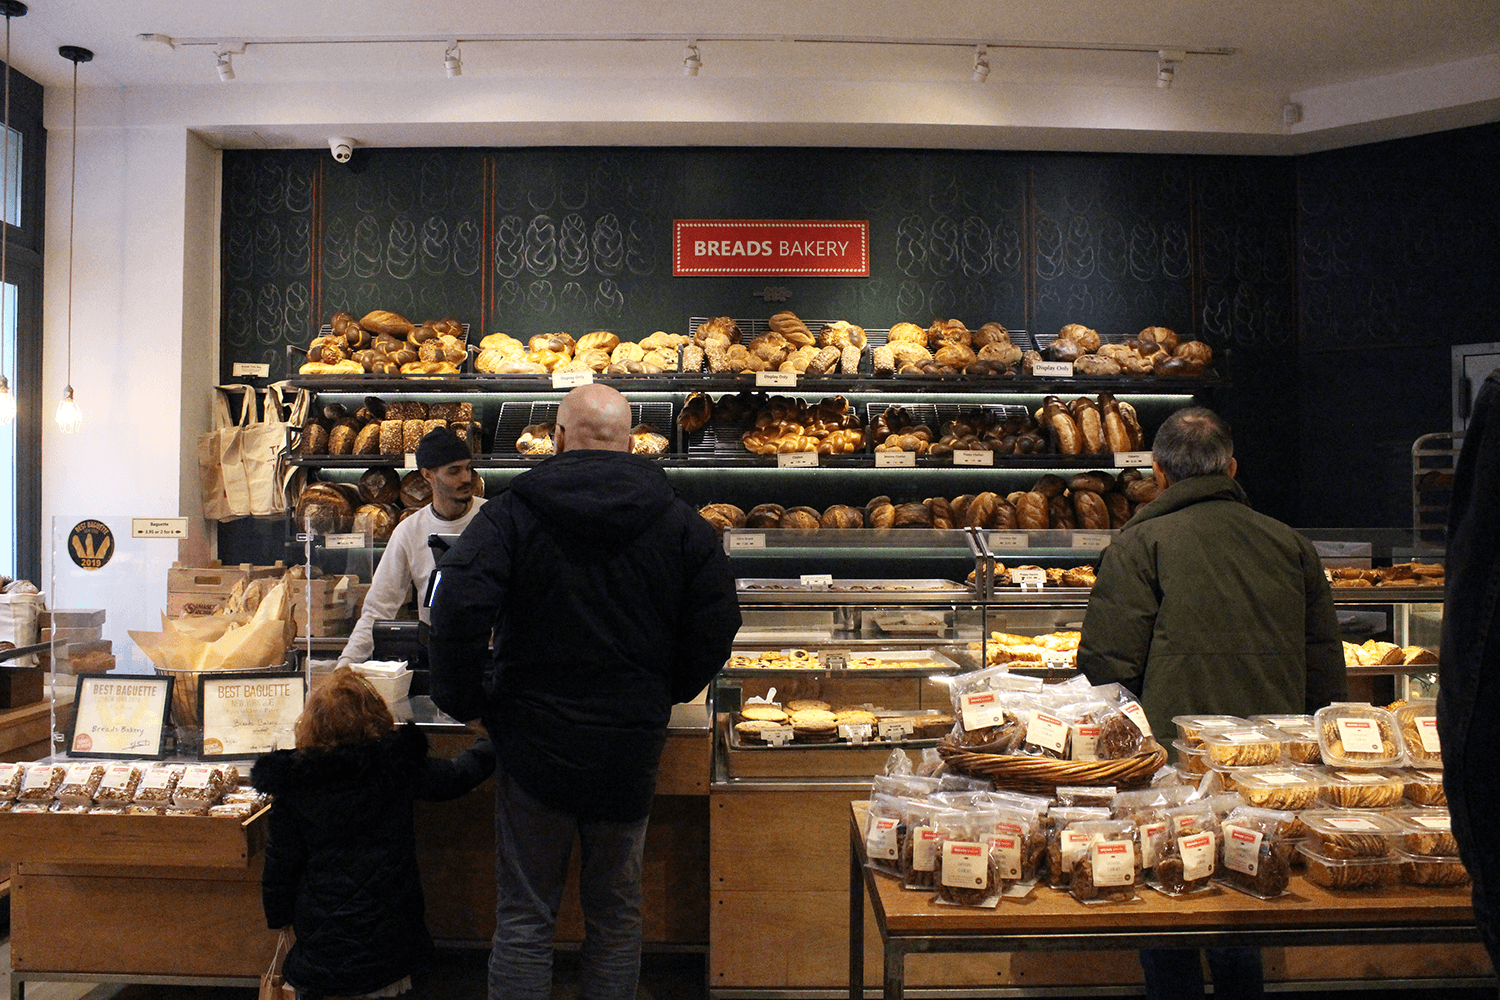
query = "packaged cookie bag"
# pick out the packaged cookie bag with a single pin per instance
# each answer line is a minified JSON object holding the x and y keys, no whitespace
{"x":1188,"y":855}
{"x":967,"y":869}
{"x":1013,"y":839}
{"x":883,"y":832}
{"x":1065,"y":845}
{"x":928,"y":827}
{"x":1255,"y":853}
{"x":80,"y":783}
{"x":1109,"y":868}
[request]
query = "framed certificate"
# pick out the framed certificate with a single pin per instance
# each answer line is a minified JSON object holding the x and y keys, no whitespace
{"x":120,"y":716}
{"x":246,"y":715}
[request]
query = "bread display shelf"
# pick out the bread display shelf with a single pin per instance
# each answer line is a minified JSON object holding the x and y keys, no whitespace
{"x":682,"y":381}
{"x":89,"y":839}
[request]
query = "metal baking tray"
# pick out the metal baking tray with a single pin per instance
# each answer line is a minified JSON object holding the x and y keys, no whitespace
{"x":930,"y":660}
{"x":854,"y":591}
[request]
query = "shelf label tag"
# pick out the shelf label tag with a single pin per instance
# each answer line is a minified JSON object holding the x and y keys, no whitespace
{"x":1091,"y":540}
{"x":158,"y":527}
{"x":249,"y":369}
{"x":895,"y":460}
{"x":895,"y":730}
{"x":857,"y":733}
{"x":746,"y":543}
{"x":1132,"y":459}
{"x":817,"y":579}
{"x":1052,"y":369}
{"x":985,"y":457}
{"x":411,"y":460}
{"x":835,"y":661}
{"x":780,"y":380}
{"x":797,"y":460}
{"x":348,"y":540}
{"x":1009,"y":541}
{"x":1360,"y":736}
{"x":777,"y":737}
{"x":1029,"y":578}
{"x":569,"y":380}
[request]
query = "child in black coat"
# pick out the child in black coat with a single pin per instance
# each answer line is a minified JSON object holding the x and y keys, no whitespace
{"x":341,"y":861}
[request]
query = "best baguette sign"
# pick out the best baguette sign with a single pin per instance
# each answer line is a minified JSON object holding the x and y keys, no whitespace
{"x":801,"y":247}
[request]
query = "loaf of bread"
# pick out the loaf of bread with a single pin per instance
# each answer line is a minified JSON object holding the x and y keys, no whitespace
{"x":379,"y":519}
{"x":367,"y":442}
{"x":411,"y":435}
{"x":314,"y":440}
{"x":341,"y":439}
{"x":415,"y":490}
{"x":1031,"y":512}
{"x":1067,"y":439}
{"x":380,"y":485}
{"x":381,"y":321}
{"x":392,"y":438}
{"x":1089,"y":511}
{"x":601,"y":340}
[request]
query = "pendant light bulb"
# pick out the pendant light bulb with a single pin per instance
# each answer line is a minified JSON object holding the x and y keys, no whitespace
{"x":7,"y":403}
{"x":69,"y":416}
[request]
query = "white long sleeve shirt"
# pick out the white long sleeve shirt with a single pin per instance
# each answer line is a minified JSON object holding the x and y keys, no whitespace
{"x":407,"y":563}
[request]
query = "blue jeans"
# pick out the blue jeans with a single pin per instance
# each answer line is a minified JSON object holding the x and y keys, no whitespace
{"x":1177,"y":973}
{"x":533,"y":843}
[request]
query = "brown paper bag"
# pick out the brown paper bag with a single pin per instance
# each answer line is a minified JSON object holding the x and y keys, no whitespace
{"x":272,"y":985}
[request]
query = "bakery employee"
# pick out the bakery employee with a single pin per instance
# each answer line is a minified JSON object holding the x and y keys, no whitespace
{"x":443,"y":461}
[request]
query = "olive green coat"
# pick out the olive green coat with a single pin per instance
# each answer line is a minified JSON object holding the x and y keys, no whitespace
{"x":1204,"y":606}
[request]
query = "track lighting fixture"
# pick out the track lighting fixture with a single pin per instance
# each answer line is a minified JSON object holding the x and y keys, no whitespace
{"x":1166,"y":65}
{"x":226,"y":67}
{"x":981,"y":64}
{"x":691,"y":61}
{"x":453,"y":61}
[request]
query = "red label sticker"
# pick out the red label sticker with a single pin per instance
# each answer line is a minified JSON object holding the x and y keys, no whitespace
{"x":969,"y":850}
{"x":838,"y":249}
{"x":981,"y":699}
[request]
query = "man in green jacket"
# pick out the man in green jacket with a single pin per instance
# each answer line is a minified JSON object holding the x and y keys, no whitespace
{"x":1205,"y":607}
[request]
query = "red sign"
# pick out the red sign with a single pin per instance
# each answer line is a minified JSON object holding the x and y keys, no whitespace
{"x":800,"y":247}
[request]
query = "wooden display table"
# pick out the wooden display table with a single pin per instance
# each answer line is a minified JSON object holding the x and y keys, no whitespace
{"x":909,"y":922}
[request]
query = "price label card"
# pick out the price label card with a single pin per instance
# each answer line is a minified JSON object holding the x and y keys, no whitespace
{"x":835,"y":661}
{"x":1009,"y":541}
{"x":894,"y":730}
{"x":778,"y":736}
{"x":1093,"y":541}
{"x":1434,"y":822}
{"x":1351,"y":823}
{"x":411,"y":460}
{"x":797,"y":460}
{"x":247,"y":369}
{"x":158,"y":527}
{"x":1114,"y":862}
{"x":570,"y":380}
{"x":817,"y":580}
{"x":985,"y":457}
{"x":1135,"y":713}
{"x":1427,"y":730}
{"x":1198,"y":853}
{"x":981,"y":709}
{"x":857,"y":733}
{"x":1132,"y":460}
{"x":881,"y":840}
{"x":1242,"y":849}
{"x":965,"y":865}
{"x":895,"y":460}
{"x":1047,"y":731}
{"x":1029,"y":579}
{"x":746,"y":543}
{"x":1052,"y":369}
{"x":348,"y":540}
{"x":1086,"y":742}
{"x":1360,"y":736}
{"x":780,"y":380}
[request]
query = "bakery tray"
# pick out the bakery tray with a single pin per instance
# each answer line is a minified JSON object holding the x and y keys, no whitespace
{"x":770,"y":590}
{"x":935,"y":662}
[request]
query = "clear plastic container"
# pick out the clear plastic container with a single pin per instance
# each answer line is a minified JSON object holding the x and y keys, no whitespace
{"x":1191,"y":728}
{"x":1279,"y":786}
{"x":1350,"y":833}
{"x":1358,"y":736}
{"x":1242,"y":746}
{"x":1192,"y":760}
{"x":1424,"y":787}
{"x":1300,"y":737}
{"x":1347,"y":873}
{"x":1418,"y":870}
{"x":1417,"y":721}
{"x":1356,"y":789}
{"x":1427,"y":833}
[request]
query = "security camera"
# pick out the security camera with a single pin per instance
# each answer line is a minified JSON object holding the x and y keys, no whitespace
{"x":342,"y":147}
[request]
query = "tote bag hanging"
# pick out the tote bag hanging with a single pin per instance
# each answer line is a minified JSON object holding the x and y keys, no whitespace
{"x":224,"y":491}
{"x":263,"y":454}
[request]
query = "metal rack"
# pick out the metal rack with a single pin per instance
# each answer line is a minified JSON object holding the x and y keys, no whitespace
{"x":1433,"y":460}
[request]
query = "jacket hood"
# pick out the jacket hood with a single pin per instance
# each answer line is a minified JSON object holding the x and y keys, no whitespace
{"x":1188,"y":492}
{"x":596,"y":496}
{"x":285,"y":770}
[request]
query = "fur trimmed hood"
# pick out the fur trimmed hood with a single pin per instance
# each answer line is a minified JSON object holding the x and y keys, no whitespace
{"x":396,"y":757}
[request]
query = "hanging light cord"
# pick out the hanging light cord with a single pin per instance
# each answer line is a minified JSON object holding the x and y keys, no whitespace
{"x":5,"y":203}
{"x":72,"y":193}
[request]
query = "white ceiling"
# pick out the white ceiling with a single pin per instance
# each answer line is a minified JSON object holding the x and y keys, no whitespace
{"x":1362,"y":69}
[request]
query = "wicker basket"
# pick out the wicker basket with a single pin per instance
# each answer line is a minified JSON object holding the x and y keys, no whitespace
{"x":1022,"y":773}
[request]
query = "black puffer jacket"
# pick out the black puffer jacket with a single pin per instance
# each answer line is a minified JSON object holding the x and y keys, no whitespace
{"x":610,"y":599}
{"x":1468,"y":708}
{"x":341,"y":862}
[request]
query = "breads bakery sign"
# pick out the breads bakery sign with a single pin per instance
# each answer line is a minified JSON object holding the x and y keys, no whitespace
{"x":795,"y":247}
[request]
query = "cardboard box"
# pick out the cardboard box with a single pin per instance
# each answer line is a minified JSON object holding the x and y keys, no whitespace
{"x":71,"y":618}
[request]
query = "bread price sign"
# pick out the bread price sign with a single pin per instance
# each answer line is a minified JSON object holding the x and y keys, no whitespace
{"x":803,"y":247}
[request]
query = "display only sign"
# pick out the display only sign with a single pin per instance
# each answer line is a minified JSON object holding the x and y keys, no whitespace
{"x":797,"y":247}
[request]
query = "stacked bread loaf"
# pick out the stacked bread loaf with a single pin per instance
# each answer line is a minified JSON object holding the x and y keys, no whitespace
{"x":385,"y":343}
{"x":1156,"y":350}
{"x":385,"y":428}
{"x":600,"y":352}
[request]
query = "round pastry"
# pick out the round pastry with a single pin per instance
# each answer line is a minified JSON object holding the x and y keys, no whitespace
{"x":323,"y":507}
{"x":314,"y":440}
{"x":1081,"y":335}
{"x":753,"y":730}
{"x":601,"y":340}
{"x":907,"y":333}
{"x":415,"y":491}
{"x":644,"y":440}
{"x":723,"y":515}
{"x":1194,"y":350}
{"x":379,"y":519}
{"x":535,"y":439}
{"x":765,"y":515}
{"x":807,"y":704}
{"x":1096,"y":365}
{"x":1160,"y":336}
{"x":801,"y":519}
{"x":882,"y":515}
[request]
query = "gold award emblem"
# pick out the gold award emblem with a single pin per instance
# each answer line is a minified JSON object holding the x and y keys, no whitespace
{"x":91,"y":544}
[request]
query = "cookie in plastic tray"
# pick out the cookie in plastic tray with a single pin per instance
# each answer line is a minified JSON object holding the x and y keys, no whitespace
{"x":1299,"y":737}
{"x":1242,"y":746}
{"x":1190,"y":728}
{"x":1427,"y":833}
{"x":1424,"y":787}
{"x":1380,"y":788}
{"x":1278,"y":786}
{"x":1346,"y":873}
{"x":1350,"y":833}
{"x":1193,"y":760}
{"x":1353,"y":735}
{"x":1418,"y":724}
{"x":1435,"y":871}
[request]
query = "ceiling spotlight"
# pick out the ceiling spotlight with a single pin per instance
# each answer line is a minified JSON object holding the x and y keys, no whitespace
{"x":691,"y":61}
{"x":225,"y":66}
{"x":453,"y":61}
{"x":156,"y":38}
{"x":981,"y":64}
{"x":1166,"y":65}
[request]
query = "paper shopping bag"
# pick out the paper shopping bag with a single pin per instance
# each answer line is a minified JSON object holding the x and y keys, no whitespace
{"x":272,"y":984}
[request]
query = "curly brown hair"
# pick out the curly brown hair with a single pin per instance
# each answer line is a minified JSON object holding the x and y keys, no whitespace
{"x":344,"y":709}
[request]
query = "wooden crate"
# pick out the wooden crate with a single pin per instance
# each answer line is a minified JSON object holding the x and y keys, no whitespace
{"x":183,"y":605}
{"x":216,"y":578}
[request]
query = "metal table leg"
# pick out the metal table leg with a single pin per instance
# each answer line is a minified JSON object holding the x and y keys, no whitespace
{"x":856,"y":923}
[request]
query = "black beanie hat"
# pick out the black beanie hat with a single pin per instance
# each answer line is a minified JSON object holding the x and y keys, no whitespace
{"x":439,"y":447}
